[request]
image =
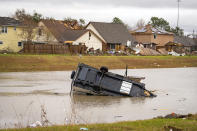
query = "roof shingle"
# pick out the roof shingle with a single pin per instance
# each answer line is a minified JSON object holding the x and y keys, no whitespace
{"x":186,"y":41}
{"x":57,"y":28}
{"x":113,"y":33}
{"x":7,"y":21}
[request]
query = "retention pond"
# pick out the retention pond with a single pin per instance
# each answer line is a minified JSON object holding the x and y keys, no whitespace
{"x":27,"y":97}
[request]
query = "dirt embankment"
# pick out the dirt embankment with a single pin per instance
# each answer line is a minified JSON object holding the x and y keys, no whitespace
{"x":15,"y":62}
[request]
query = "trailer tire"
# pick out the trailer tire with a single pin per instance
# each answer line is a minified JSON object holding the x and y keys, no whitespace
{"x":103,"y":69}
{"x":72,"y":74}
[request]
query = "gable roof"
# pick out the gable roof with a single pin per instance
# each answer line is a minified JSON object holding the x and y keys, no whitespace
{"x":113,"y":33}
{"x":149,"y":29}
{"x":57,"y":28}
{"x":7,"y":21}
{"x":186,"y":41}
{"x":72,"y":35}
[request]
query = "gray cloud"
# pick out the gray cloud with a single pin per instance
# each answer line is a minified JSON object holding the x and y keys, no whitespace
{"x":192,"y":4}
{"x":104,"y":10}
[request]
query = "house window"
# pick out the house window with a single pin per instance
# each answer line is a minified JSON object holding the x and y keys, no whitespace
{"x":155,"y":36}
{"x":4,"y":29}
{"x":40,"y":32}
{"x":89,"y":35}
{"x":1,"y":42}
{"x":19,"y":43}
{"x":112,"y":46}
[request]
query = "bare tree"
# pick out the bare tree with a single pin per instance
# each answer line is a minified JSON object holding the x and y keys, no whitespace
{"x":74,"y":23}
{"x":140,"y":23}
{"x":29,"y":30}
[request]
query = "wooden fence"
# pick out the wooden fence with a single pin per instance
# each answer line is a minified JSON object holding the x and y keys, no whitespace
{"x":54,"y":49}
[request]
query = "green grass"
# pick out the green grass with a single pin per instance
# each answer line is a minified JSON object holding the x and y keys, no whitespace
{"x":49,"y":62}
{"x":143,"y":125}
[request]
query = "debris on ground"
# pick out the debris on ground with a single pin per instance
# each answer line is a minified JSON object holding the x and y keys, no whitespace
{"x":83,"y":129}
{"x":173,"y":53}
{"x":172,"y":128}
{"x":36,"y":124}
{"x":148,"y":52}
{"x":163,"y":51}
{"x":174,"y":115}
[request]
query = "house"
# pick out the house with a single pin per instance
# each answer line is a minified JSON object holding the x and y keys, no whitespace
{"x":85,"y":37}
{"x":114,"y":36}
{"x":55,"y":32}
{"x":188,"y":43}
{"x":50,"y":32}
{"x":10,"y":35}
{"x":152,"y":37}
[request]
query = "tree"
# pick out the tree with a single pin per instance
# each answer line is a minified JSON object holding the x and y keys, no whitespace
{"x":30,"y":24}
{"x":82,"y":21}
{"x":159,"y":23}
{"x":177,"y":31}
{"x":20,"y":14}
{"x":37,"y":17}
{"x":140,"y":23}
{"x":163,"y":24}
{"x":117,"y":20}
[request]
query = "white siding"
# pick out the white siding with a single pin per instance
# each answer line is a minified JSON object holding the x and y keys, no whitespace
{"x":91,"y":27}
{"x":93,"y":42}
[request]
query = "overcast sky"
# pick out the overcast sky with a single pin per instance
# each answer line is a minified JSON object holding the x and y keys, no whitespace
{"x":130,"y":11}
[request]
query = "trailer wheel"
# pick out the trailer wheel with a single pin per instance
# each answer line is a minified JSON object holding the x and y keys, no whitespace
{"x":72,"y":74}
{"x":103,"y":69}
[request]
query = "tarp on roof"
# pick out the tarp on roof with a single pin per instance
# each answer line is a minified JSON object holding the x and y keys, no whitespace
{"x":150,"y":29}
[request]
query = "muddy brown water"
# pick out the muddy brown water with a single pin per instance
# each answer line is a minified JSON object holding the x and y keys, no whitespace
{"x":24,"y":94}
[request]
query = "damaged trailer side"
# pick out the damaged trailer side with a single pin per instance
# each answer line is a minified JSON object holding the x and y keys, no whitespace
{"x":92,"y":81}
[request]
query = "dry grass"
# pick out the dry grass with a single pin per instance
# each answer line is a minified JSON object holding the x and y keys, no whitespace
{"x":145,"y":125}
{"x":22,"y":62}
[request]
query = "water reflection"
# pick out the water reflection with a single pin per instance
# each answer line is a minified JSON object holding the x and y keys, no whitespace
{"x":100,"y":101}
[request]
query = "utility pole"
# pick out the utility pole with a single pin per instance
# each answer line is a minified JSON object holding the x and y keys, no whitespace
{"x":178,"y":13}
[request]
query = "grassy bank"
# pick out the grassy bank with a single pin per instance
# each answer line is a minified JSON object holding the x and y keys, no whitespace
{"x":23,"y":62}
{"x":189,"y":124}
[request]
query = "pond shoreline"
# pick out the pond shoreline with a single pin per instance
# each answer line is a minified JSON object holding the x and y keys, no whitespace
{"x":28,"y":63}
{"x":165,"y":123}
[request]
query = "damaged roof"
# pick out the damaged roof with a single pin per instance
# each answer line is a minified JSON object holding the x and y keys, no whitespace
{"x":186,"y":41}
{"x":57,"y":28}
{"x":7,"y":21}
{"x":150,"y":29}
{"x":113,"y":33}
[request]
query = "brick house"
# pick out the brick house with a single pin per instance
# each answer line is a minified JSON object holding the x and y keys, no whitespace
{"x":151,"y":37}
